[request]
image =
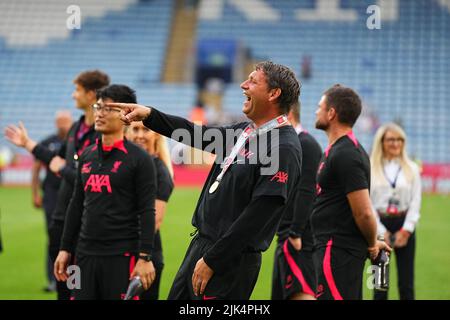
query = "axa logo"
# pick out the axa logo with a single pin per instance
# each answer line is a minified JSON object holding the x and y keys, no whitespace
{"x":116,"y":166}
{"x":86,"y":168}
{"x":97,"y":182}
{"x":281,"y":177}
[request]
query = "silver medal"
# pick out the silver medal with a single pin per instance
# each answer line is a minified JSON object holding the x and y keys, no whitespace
{"x":214,"y":187}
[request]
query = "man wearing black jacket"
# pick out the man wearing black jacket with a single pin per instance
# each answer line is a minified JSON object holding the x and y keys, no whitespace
{"x":294,"y":276}
{"x":112,"y":211}
{"x":64,"y":163}
{"x":241,"y":204}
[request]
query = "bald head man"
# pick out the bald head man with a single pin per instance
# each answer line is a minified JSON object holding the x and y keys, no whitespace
{"x":63,"y":122}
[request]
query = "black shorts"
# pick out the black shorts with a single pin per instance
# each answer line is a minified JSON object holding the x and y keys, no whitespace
{"x":293,"y":272}
{"x":339,"y":274}
{"x":237,"y":283}
{"x":104,"y":277}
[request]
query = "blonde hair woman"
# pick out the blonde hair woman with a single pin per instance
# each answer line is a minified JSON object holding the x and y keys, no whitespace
{"x":155,"y":145}
{"x":396,"y":198}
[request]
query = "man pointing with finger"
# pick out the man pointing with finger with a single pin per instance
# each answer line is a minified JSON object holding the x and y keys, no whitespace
{"x":241,"y":203}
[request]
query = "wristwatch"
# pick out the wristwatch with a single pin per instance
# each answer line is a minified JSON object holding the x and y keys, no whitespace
{"x":147,"y":257}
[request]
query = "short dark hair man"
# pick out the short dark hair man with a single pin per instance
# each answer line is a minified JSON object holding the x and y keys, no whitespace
{"x":112,"y":211}
{"x":343,"y":223}
{"x":294,"y":277}
{"x":81,"y":135}
{"x":240,"y":207}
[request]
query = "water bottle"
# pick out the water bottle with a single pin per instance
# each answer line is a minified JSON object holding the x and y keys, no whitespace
{"x":382,"y":270}
{"x":135,"y":288}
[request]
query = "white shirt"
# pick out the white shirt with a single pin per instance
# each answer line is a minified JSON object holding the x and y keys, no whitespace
{"x":409,"y":194}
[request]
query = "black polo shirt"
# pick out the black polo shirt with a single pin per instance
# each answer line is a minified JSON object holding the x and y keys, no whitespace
{"x":113,"y":205}
{"x":344,"y":168}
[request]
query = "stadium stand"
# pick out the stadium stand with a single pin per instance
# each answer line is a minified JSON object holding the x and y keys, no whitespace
{"x":39,"y":58}
{"x":401,"y":70}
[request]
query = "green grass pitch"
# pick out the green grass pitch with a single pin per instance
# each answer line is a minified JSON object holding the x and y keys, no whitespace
{"x":22,"y":273}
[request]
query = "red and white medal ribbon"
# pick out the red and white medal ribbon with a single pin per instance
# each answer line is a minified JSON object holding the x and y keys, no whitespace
{"x":249,"y":132}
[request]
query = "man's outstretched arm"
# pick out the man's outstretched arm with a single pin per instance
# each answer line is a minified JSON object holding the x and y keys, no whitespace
{"x":167,"y":125}
{"x":18,"y":135}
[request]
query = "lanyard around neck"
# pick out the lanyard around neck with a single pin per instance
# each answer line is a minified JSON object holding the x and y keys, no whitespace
{"x":249,"y":132}
{"x":393,"y":183}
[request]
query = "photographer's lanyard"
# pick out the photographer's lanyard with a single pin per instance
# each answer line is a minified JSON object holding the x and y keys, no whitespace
{"x":394,"y":182}
{"x":249,"y":132}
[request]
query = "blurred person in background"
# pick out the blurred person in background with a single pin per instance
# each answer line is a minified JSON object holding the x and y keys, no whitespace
{"x":64,"y":163}
{"x":50,"y":183}
{"x":155,"y":144}
{"x":197,"y":114}
{"x":6,"y":158}
{"x":396,"y":197}
{"x":306,"y":67}
{"x":294,"y":277}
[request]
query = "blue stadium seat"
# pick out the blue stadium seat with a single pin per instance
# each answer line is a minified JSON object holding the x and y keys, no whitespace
{"x":129,"y":44}
{"x":401,"y":70}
